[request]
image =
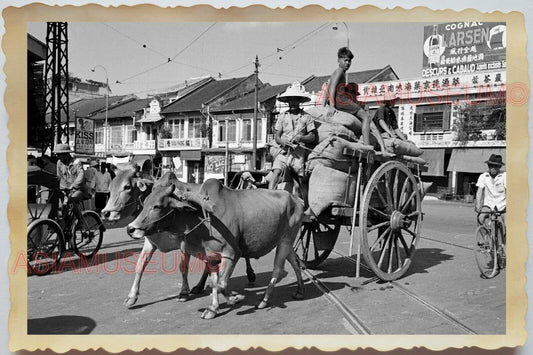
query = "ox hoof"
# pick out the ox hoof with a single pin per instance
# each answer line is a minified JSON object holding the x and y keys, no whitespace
{"x":209,"y":313}
{"x":261,"y":304}
{"x":183,"y":297}
{"x":235,"y":299}
{"x":130,"y":301}
{"x":197,"y":290}
{"x":298,"y":296}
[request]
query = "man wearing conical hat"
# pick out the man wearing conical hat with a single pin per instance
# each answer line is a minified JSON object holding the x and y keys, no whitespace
{"x":492,"y":186}
{"x":295,"y":130}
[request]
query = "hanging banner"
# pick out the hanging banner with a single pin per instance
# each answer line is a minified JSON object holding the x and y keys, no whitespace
{"x":463,"y":47}
{"x":84,"y":138}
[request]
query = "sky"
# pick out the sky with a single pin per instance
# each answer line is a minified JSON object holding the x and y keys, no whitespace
{"x":136,"y":54}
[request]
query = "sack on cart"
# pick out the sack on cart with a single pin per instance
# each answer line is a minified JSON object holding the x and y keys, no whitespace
{"x":330,"y":153}
{"x":400,"y":147}
{"x":327,"y":129}
{"x":329,"y":186}
{"x":319,"y":113}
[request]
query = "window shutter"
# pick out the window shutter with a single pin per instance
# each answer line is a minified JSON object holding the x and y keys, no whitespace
{"x":446,"y":116}
{"x":418,"y":122}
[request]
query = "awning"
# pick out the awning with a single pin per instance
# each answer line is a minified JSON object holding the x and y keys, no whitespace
{"x":435,"y":160}
{"x":150,"y":118}
{"x":195,"y":155}
{"x":472,"y":160}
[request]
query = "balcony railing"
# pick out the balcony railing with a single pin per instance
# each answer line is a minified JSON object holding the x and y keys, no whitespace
{"x":182,"y":143}
{"x":126,"y":147}
{"x":150,"y":144}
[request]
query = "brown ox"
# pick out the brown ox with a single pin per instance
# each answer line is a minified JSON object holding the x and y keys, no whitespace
{"x":222,"y":225}
{"x":127,"y":193}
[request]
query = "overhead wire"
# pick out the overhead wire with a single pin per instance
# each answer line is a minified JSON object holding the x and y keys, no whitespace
{"x":287,"y":49}
{"x":294,"y":44}
{"x":144,"y":45}
{"x":169,"y":59}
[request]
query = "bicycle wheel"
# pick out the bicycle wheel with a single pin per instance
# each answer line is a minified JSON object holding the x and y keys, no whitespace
{"x":88,"y":234}
{"x":485,"y":252}
{"x":45,"y":246}
{"x":501,"y":246}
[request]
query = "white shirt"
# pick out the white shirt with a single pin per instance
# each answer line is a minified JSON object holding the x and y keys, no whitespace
{"x":495,"y":189}
{"x":103,"y":181}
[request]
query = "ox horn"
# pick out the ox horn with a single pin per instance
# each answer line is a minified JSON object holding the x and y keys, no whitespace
{"x":199,"y":199}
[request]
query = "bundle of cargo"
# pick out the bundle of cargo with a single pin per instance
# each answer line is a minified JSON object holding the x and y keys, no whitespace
{"x":320,"y":114}
{"x":401,"y":147}
{"x":328,"y":186}
{"x":330,"y":125}
{"x":327,"y":129}
{"x":330,"y":153}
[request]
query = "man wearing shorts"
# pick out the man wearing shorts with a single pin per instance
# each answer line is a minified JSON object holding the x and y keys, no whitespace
{"x":294,"y":131}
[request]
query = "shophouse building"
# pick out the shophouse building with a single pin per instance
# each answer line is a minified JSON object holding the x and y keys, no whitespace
{"x":189,"y":124}
{"x":455,"y":111}
{"x":233,"y":132}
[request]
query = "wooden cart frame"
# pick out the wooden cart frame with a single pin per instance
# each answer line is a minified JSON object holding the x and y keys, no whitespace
{"x":384,"y":219}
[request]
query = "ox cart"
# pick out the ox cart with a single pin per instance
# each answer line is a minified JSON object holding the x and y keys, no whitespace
{"x":380,"y":207}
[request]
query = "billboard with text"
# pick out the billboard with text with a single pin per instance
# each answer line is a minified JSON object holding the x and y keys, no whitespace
{"x":463,"y":47}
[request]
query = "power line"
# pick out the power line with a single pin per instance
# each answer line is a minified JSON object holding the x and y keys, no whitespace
{"x":134,"y":40}
{"x":157,"y":52}
{"x":287,"y":47}
{"x":169,"y":60}
{"x":194,"y":40}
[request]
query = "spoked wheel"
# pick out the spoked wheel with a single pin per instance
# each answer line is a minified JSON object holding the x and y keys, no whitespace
{"x":501,"y":246}
{"x":45,"y":246}
{"x":486,"y":253}
{"x":88,"y":234}
{"x":315,"y":242}
{"x":390,"y":220}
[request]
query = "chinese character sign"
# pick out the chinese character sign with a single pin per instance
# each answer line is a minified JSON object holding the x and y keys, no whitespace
{"x":84,"y":139}
{"x":464,"y":47}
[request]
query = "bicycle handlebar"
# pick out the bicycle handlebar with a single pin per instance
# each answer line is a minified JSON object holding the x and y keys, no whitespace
{"x":489,"y":210}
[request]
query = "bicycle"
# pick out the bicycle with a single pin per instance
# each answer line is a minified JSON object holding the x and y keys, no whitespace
{"x":84,"y":235}
{"x":47,"y":230}
{"x":490,"y":242}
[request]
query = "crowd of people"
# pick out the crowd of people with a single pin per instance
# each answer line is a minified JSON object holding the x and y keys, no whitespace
{"x":77,"y":181}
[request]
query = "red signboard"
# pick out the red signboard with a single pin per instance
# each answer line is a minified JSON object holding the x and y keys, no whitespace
{"x":464,"y":47}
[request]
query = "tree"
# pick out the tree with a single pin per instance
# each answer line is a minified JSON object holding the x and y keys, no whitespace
{"x":474,"y":120}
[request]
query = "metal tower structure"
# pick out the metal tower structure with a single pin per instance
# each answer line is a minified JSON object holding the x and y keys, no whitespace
{"x":57,"y":80}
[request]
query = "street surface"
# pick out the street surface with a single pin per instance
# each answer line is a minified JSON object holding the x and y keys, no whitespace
{"x":442,"y":293}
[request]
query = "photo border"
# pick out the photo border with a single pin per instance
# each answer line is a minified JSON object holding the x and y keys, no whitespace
{"x":518,"y":87}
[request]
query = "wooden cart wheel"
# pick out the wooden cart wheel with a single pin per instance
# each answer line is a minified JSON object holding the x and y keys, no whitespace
{"x":390,"y":220}
{"x":315,"y":242}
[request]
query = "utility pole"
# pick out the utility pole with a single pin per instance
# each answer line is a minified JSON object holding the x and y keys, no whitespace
{"x":254,"y":126}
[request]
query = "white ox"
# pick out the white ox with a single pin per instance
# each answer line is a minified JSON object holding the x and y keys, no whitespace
{"x":222,"y":225}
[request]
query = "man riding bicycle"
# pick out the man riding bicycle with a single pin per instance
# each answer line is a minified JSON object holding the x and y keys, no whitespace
{"x":72,"y":181}
{"x":492,"y":187}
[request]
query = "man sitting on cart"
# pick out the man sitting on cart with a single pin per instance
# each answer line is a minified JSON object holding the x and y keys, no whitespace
{"x":492,"y":187}
{"x":71,"y":178}
{"x":342,"y":96}
{"x":386,"y":122}
{"x":295,"y":130}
